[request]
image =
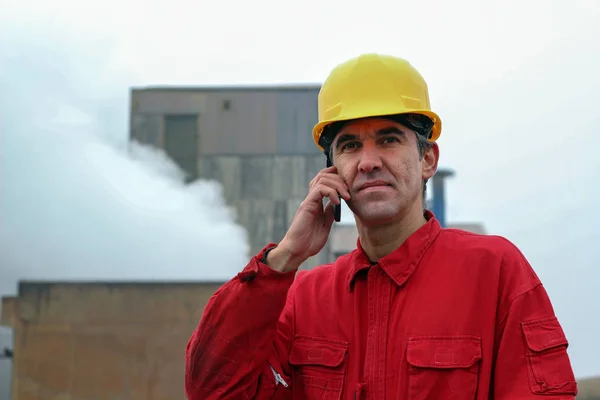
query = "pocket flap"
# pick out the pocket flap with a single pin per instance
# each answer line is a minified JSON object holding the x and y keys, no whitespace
{"x":313,"y":351}
{"x":544,"y":334}
{"x":444,"y":352}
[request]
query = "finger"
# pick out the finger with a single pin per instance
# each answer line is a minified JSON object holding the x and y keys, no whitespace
{"x":327,"y":191}
{"x":337,"y":183}
{"x":327,"y":177}
{"x":319,"y":192}
{"x":329,"y":214}
{"x":329,"y":171}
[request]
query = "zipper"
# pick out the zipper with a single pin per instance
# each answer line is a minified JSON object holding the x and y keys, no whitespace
{"x":278,"y":378}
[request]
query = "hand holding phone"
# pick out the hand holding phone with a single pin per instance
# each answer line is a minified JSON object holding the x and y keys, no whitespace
{"x":312,"y":223}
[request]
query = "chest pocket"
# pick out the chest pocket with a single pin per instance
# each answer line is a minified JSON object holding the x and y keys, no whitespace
{"x":443,"y":367}
{"x":319,"y":368}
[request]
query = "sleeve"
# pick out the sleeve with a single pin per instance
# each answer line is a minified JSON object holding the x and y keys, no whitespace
{"x":531,"y":347}
{"x":241,"y":345}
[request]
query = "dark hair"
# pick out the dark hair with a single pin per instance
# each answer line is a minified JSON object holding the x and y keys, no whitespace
{"x":423,"y":145}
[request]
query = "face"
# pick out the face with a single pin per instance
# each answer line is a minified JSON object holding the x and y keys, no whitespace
{"x":380,"y":162}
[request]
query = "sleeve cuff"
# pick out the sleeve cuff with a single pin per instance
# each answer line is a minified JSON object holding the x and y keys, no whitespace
{"x":256,"y":267}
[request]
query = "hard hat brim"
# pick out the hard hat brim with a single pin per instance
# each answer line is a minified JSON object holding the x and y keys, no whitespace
{"x":435,"y":132}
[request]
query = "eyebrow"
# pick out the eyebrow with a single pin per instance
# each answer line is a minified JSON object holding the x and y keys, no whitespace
{"x":346,"y":137}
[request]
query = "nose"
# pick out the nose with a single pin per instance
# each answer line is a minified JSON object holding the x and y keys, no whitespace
{"x":370,"y":159}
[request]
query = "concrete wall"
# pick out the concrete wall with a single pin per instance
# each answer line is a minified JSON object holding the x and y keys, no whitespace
{"x":589,"y":388}
{"x":103,"y":341}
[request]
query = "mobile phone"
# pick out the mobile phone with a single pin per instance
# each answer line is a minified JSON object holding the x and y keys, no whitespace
{"x":337,"y":208}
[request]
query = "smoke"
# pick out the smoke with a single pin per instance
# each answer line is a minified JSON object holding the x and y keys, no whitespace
{"x":77,"y":202}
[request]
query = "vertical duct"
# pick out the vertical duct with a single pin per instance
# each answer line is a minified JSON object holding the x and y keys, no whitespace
{"x":438,"y":204}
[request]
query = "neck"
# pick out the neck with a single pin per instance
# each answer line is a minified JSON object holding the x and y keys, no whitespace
{"x":380,"y":240}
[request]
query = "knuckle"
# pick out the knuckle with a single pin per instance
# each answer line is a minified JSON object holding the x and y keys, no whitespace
{"x":326,"y":188}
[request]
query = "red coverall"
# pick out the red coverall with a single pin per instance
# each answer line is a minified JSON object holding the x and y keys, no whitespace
{"x":448,"y":315}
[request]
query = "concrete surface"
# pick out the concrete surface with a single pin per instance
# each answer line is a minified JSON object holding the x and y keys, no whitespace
{"x":99,"y":341}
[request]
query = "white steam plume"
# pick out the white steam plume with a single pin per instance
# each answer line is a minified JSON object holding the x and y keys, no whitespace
{"x":75,"y":203}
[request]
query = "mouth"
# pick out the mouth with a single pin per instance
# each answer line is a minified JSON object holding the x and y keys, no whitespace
{"x":373,"y":185}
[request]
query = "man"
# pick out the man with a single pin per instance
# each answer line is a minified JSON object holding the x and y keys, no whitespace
{"x":415,"y":312}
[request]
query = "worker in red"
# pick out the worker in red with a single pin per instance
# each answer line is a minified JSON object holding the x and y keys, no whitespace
{"x":415,"y":312}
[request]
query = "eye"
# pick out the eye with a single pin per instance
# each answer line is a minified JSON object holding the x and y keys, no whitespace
{"x":349,"y":145}
{"x":390,"y":139}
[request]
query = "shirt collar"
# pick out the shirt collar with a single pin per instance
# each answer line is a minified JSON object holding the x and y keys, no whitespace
{"x":400,"y":263}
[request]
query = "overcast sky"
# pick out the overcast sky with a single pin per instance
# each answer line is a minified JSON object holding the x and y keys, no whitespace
{"x":515,"y":82}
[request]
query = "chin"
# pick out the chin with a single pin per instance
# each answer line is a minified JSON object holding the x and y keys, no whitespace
{"x":376,"y":215}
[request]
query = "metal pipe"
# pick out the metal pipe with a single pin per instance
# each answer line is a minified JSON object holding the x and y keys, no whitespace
{"x":438,"y":204}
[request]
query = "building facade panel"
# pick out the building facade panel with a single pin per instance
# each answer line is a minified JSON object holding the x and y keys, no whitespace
{"x":314,"y":164}
{"x":256,"y":215}
{"x":257,"y":177}
{"x":147,"y":128}
{"x":296,"y":116}
{"x":227,"y":170}
{"x":239,"y":122}
{"x":168,"y":101}
{"x":282,"y":177}
{"x":297,"y":166}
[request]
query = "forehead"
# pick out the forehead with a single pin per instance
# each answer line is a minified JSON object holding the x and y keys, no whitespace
{"x":369,"y":126}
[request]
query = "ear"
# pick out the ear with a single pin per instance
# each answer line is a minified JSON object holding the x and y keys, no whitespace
{"x":429,"y":163}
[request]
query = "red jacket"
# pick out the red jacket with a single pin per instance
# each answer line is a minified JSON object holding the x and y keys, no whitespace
{"x":448,"y":315}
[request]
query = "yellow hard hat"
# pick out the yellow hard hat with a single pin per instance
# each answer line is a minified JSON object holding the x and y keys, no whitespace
{"x":373,"y":85}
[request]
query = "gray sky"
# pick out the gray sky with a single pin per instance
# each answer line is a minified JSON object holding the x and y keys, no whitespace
{"x":515,"y":82}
